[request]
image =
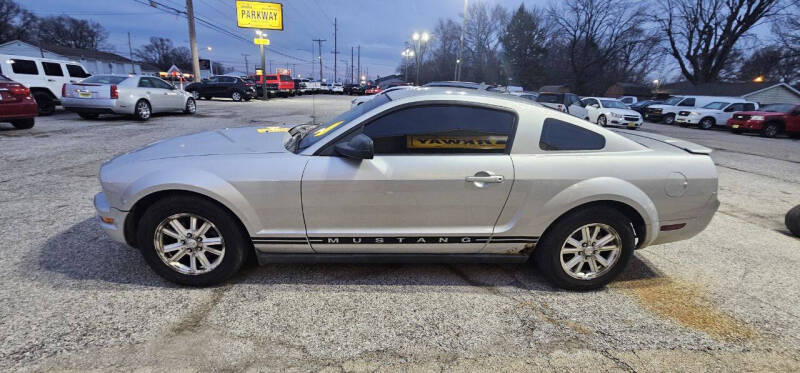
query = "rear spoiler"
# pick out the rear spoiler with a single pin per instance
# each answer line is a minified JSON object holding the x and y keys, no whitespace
{"x":678,"y":143}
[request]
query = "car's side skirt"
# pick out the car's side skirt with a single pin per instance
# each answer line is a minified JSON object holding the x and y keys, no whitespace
{"x":393,"y":240}
{"x":411,"y":245}
{"x":271,"y":258}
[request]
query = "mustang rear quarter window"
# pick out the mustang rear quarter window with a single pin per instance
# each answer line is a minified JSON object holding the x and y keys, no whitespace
{"x":560,"y":135}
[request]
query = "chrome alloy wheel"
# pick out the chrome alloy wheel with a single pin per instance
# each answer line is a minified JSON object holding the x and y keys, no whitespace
{"x":191,"y":106}
{"x":236,"y":96}
{"x":590,"y":251}
{"x":143,"y":109}
{"x":189,"y":244}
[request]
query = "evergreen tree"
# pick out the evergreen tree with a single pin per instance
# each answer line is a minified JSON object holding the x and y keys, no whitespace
{"x":524,"y":42}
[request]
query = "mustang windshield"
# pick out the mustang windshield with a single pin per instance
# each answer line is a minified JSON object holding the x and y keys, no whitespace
{"x":322,"y":131}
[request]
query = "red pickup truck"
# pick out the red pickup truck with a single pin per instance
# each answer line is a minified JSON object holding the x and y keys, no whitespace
{"x":277,"y":85}
{"x":769,"y":120}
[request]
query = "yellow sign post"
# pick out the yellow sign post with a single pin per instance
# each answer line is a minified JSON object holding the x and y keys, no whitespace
{"x":261,"y":41}
{"x":260,"y":15}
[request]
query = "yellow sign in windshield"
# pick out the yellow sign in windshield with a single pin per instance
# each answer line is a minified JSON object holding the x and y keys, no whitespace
{"x":272,"y":129}
{"x":327,"y":129}
{"x":456,"y":142}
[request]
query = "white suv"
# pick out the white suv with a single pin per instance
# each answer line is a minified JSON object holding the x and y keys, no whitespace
{"x":45,"y":77}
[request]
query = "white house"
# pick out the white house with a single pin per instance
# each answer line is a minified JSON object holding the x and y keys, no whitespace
{"x":95,"y":62}
{"x":763,"y":92}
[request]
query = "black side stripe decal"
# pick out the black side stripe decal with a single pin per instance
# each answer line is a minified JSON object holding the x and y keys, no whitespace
{"x":393,"y":240}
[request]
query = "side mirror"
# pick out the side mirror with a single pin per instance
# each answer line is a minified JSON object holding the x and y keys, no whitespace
{"x":359,"y":147}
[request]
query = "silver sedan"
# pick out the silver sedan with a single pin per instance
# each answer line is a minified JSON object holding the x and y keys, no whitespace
{"x":136,"y":95}
{"x":426,"y":175}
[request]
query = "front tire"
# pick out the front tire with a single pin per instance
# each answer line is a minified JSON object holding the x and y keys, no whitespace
{"x":586,"y":249}
{"x":770,"y":130}
{"x":23,"y":124}
{"x":192,"y":241}
{"x":191,"y":106}
{"x":142,"y":110}
{"x":602,"y":121}
{"x":669,"y":119}
{"x":707,"y":123}
{"x":236,"y":96}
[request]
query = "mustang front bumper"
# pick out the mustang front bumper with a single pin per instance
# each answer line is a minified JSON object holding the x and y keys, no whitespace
{"x":111,"y":220}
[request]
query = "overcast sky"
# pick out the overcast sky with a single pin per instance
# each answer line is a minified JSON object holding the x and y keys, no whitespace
{"x":379,"y":26}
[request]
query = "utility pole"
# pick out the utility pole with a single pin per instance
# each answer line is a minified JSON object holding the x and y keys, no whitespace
{"x":193,"y":40}
{"x":459,"y":58}
{"x":319,"y":43}
{"x":359,"y":63}
{"x":351,"y":65}
{"x":335,"y":47}
{"x":130,"y":52}
{"x":246,"y":65}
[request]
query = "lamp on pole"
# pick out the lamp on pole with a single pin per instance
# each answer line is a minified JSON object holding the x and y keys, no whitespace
{"x":419,"y":38}
{"x":407,"y":53}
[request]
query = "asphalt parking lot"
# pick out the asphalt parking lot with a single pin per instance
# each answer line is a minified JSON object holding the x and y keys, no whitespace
{"x":72,"y":299}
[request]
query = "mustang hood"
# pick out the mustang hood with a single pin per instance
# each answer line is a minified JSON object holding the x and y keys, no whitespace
{"x":243,"y":140}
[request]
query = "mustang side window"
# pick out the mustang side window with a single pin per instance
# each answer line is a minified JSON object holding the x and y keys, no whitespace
{"x":442,"y":129}
{"x":560,"y":135}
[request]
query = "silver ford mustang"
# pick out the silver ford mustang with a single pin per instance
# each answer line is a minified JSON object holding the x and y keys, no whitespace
{"x":426,"y":174}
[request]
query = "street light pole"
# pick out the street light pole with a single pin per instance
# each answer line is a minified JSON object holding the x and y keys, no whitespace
{"x":419,"y":39}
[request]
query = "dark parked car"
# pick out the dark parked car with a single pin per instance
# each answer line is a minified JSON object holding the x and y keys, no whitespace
{"x":16,"y":104}
{"x":641,"y":106}
{"x":353,"y":89}
{"x":233,"y":87}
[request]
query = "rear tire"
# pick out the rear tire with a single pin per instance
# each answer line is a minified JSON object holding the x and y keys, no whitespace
{"x":567,"y":269}
{"x":23,"y":124}
{"x":233,"y":243}
{"x":792,"y":220}
{"x":236,"y":96}
{"x":142,"y":111}
{"x":46,"y":104}
{"x":89,"y":115}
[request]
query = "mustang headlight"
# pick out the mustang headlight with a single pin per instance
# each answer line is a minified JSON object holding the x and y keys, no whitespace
{"x":757,"y":117}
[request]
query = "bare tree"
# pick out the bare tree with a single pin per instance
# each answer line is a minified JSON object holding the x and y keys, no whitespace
{"x":598,"y":35}
{"x":15,"y":21}
{"x":787,"y":27}
{"x":484,"y":28}
{"x":702,"y":34}
{"x":163,"y":54}
{"x":71,"y":32}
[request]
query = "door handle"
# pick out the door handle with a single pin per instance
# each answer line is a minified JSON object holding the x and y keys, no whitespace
{"x":482,"y":178}
{"x":51,"y":80}
{"x":485,"y":179}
